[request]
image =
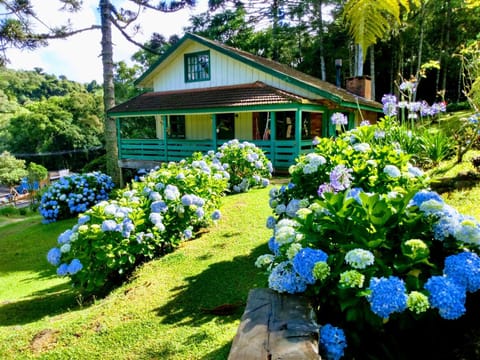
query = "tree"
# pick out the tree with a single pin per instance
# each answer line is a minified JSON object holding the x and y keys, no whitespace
{"x":369,"y":21}
{"x":12,"y":170}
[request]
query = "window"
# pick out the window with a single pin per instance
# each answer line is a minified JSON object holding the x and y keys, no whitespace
{"x":225,"y":126}
{"x":197,"y":66}
{"x":176,"y":127}
{"x":285,"y":125}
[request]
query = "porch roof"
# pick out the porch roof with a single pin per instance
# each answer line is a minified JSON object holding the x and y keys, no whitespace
{"x":245,"y":95}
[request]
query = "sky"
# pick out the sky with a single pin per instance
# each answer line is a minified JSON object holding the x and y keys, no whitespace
{"x":78,"y":57}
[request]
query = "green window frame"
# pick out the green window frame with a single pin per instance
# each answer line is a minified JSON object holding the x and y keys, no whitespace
{"x":197,"y":66}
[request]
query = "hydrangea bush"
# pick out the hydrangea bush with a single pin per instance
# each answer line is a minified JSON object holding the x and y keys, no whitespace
{"x":358,"y":231}
{"x":145,"y":220}
{"x":245,"y":163}
{"x":72,"y":195}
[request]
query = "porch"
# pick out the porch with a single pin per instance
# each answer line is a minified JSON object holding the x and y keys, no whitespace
{"x":134,"y":152}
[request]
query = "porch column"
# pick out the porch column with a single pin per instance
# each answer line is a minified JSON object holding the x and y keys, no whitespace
{"x":298,"y":132}
{"x":273,"y":135}
{"x":119,"y":150}
{"x":119,"y":140}
{"x":214,"y":132}
{"x":165,"y":144}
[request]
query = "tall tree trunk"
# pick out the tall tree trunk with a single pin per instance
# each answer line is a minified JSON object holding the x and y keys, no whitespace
{"x":358,"y":60}
{"x":111,"y":145}
{"x":372,"y":69}
{"x":323,"y":71}
{"x":275,"y":30}
{"x":448,"y":25}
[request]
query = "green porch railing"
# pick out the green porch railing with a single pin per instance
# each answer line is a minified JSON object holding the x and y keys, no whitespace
{"x":282,"y":153}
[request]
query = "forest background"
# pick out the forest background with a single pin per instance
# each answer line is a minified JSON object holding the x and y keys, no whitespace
{"x":60,"y":123}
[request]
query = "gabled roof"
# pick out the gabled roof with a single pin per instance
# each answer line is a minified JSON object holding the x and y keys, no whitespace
{"x":286,"y":73}
{"x":245,"y":95}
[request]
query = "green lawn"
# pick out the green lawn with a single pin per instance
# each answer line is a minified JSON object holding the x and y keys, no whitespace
{"x":162,"y":313}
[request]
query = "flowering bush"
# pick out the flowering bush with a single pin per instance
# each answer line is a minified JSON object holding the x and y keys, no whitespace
{"x":245,"y":163}
{"x":357,"y":230}
{"x":72,"y":195}
{"x":145,"y":220}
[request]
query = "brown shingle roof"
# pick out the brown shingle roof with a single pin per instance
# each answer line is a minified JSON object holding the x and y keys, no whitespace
{"x":225,"y":96}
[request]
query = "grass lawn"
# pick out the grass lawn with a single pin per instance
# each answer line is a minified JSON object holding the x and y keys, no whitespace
{"x":164,"y":312}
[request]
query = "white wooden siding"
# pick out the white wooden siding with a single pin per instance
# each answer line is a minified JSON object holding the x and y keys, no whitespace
{"x":224,"y":71}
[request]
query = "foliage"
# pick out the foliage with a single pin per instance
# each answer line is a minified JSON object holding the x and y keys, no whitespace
{"x":144,"y":221}
{"x":358,"y":231}
{"x":369,"y":21}
{"x":12,"y":170}
{"x":245,"y":163}
{"x":74,"y":194}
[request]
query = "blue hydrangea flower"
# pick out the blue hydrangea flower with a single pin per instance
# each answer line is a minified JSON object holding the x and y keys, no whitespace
{"x":64,"y":237}
{"x":216,"y":215}
{"x":284,"y":278}
{"x":127,"y":227}
{"x":62,"y":270}
{"x":332,"y":342}
{"x":187,"y":234}
{"x":445,"y":227}
{"x":109,"y":225}
{"x":187,"y":200}
{"x":199,"y":212}
{"x":54,"y":255}
{"x":305,"y":260}
{"x":271,"y":222}
{"x":158,"y":206}
{"x":83,"y":219}
{"x":273,"y":245}
{"x":464,"y":268}
{"x":355,"y":194}
{"x":447,"y":295}
{"x":74,"y":267}
{"x":388,"y":295}
{"x":425,"y":195}
{"x":292,"y":207}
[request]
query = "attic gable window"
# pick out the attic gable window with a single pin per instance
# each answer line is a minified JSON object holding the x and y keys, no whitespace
{"x":197,"y":66}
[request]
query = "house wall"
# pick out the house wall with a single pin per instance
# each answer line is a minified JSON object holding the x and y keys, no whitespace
{"x":243,"y":126}
{"x":225,"y":71}
{"x":198,"y":127}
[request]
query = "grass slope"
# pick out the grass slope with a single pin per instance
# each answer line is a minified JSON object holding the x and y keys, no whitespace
{"x":164,"y":312}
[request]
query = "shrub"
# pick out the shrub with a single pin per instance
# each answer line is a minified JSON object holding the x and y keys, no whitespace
{"x":245,"y":163}
{"x":358,"y":231}
{"x":72,"y":195}
{"x":147,"y":219}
